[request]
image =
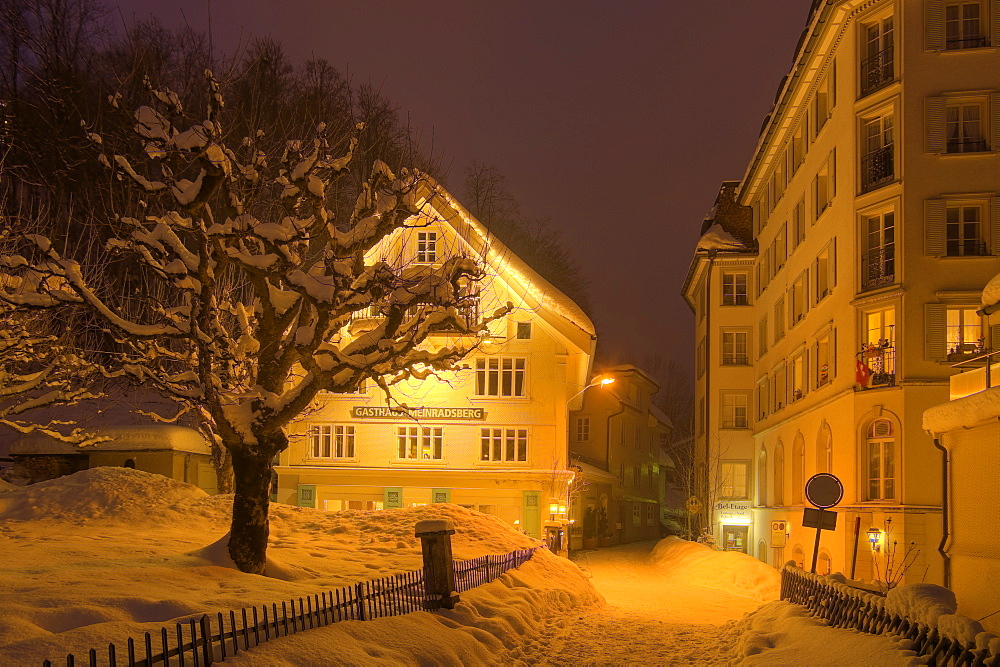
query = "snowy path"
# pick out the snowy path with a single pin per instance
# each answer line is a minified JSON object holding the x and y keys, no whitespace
{"x":652,"y":617}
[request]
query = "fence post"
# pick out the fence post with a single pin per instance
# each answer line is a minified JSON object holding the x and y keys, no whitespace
{"x":439,"y":569}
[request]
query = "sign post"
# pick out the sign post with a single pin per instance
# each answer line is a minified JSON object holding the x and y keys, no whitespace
{"x":823,"y":491}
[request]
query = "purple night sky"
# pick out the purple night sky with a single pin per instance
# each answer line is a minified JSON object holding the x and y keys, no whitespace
{"x":617,"y":120}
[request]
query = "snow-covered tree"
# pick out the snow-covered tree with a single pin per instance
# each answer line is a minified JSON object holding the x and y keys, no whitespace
{"x":256,"y":254}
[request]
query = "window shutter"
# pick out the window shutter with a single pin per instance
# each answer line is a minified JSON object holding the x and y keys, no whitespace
{"x":995,"y":21}
{"x":833,"y":262}
{"x":935,"y":25}
{"x":995,"y":225}
{"x":934,"y":325}
{"x":392,"y":497}
{"x":935,"y":124}
{"x":833,"y":353}
{"x":934,"y":228}
{"x":995,"y":121}
{"x":306,"y":495}
{"x":995,"y":338}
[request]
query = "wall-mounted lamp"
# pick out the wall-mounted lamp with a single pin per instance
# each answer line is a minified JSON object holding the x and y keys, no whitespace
{"x":557,"y":510}
{"x":875,"y":537}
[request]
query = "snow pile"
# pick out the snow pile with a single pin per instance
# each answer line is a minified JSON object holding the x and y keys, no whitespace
{"x":781,"y":633}
{"x":920,"y":602}
{"x":991,"y":295}
{"x":730,"y":570}
{"x":108,"y":553}
{"x":717,"y":238}
{"x":963,"y":412}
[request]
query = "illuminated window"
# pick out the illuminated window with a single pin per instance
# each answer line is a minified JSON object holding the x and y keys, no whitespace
{"x":964,"y":330}
{"x":735,"y":480}
{"x":734,"y":289}
{"x":735,"y":409}
{"x":331,"y":441}
{"x":823,"y":102}
{"x":426,"y":247}
{"x":880,"y":445}
{"x":824,"y":359}
{"x":503,"y":444}
{"x":762,"y":336}
{"x":798,"y":301}
{"x":420,"y":442}
{"x":878,"y":259}
{"x":779,"y":319}
{"x":500,"y":376}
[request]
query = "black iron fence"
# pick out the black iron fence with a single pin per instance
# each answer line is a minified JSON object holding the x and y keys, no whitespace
{"x":876,"y":71}
{"x":208,"y":639}
{"x":877,"y":168}
{"x":878,"y":267}
{"x":845,"y":607}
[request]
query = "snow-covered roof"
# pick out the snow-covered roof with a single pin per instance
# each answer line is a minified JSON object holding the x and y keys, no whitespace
{"x":593,"y":472}
{"x":717,"y":238}
{"x":963,"y":412}
{"x":991,"y":294}
{"x":660,"y":415}
{"x":151,"y":437}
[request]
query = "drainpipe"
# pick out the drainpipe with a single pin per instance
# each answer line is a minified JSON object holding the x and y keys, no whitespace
{"x":945,"y":490}
{"x":708,"y":381}
{"x":607,"y":456}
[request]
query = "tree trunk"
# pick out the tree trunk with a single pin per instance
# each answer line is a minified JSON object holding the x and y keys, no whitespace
{"x":223,"y":463}
{"x":249,"y":529}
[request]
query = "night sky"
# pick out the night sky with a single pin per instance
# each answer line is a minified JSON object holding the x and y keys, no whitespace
{"x":618,"y":120}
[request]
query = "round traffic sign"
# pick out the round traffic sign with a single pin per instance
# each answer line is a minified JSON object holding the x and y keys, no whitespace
{"x":824,"y":490}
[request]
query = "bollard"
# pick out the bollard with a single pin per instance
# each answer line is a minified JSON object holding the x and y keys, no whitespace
{"x":439,"y":571}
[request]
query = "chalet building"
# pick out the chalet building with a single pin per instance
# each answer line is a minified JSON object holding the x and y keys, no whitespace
{"x":827,"y":328}
{"x":967,"y":429}
{"x":492,"y":436}
{"x":617,"y":441}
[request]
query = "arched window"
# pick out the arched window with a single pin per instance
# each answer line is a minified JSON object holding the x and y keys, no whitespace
{"x":824,"y":564}
{"x":779,"y":474}
{"x":129,"y":463}
{"x":762,"y":551}
{"x":798,"y":468}
{"x":762,"y":477}
{"x":799,"y":556}
{"x":824,"y":449}
{"x":879,"y":458}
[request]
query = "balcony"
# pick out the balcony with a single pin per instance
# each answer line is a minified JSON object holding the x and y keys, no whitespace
{"x":965,"y":42}
{"x":966,"y":248}
{"x":878,"y":267}
{"x":877,"y":168}
{"x":597,"y":463}
{"x":876,"y":71}
{"x":977,"y":379}
{"x":880,"y":360}
{"x":967,"y":146}
{"x":364,"y":319}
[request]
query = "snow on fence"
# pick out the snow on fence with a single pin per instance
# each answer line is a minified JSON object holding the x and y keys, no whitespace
{"x":203,"y":641}
{"x":942,"y":636}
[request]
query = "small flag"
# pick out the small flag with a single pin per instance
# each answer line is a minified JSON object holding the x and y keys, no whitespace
{"x":862,"y":374}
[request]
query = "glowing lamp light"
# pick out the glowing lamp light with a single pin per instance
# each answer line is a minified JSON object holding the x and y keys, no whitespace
{"x":607,"y":381}
{"x":874,"y":536}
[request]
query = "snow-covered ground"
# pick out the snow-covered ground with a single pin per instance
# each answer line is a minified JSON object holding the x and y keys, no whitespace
{"x":112,"y":552}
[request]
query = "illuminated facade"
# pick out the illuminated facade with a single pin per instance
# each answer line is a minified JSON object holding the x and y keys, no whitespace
{"x":616,"y":439}
{"x":491,"y":437}
{"x":875,"y":222}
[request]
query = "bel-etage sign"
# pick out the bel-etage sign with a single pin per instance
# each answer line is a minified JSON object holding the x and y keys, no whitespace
{"x":463,"y":414}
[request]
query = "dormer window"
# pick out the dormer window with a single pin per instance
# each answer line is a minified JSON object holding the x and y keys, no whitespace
{"x":427,"y":247}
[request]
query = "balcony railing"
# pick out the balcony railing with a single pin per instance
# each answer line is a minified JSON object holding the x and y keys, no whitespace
{"x":966,"y":248}
{"x":597,"y":463}
{"x":468,"y":311}
{"x":876,"y":71}
{"x":880,"y":359}
{"x":878,"y":267}
{"x":977,"y":379}
{"x":877,"y":168}
{"x":967,"y":42}
{"x":967,"y":146}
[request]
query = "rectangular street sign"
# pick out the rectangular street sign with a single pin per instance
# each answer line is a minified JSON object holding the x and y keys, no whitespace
{"x":822,"y":519}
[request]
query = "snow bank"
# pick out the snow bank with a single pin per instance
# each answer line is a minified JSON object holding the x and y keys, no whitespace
{"x":108,"y":553}
{"x":729,"y":570}
{"x":964,"y":412}
{"x":781,"y":633}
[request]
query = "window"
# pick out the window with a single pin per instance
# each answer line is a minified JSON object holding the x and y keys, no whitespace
{"x":504,"y":444}
{"x":735,"y":480}
{"x":524,"y":330}
{"x":878,"y":261}
{"x":762,"y":398}
{"x":699,"y":358}
{"x":500,"y":376}
{"x":798,"y":299}
{"x":880,"y":452}
{"x":964,"y":230}
{"x":420,"y":443}
{"x":762,"y":336}
{"x":964,"y":126}
{"x":778,"y":384}
{"x":734,"y":289}
{"x":824,"y":359}
{"x":636,"y":514}
{"x":332,"y":441}
{"x":779,"y":250}
{"x":763,"y":272}
{"x":798,"y":468}
{"x":779,"y":319}
{"x":877,"y":152}
{"x":963,"y":27}
{"x":779,"y":474}
{"x":798,"y":154}
{"x":799,"y":223}
{"x":650,"y":514}
{"x":582,"y":429}
{"x":879,"y":349}
{"x":823,"y":102}
{"x":964,"y":330}
{"x":824,"y":449}
{"x":735,"y":412}
{"x":824,"y":187}
{"x":797,"y":374}
{"x":762,"y":477}
{"x":735,"y":348}
{"x":426,"y":247}
{"x":825,"y":271}
{"x":877,"y":55}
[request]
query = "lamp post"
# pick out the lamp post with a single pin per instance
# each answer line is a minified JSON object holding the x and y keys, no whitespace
{"x":602,"y":382}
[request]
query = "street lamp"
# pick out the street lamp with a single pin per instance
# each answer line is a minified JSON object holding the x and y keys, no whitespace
{"x":602,"y":382}
{"x":874,"y":536}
